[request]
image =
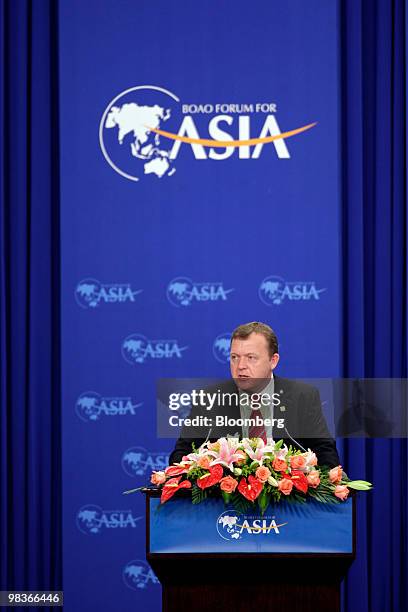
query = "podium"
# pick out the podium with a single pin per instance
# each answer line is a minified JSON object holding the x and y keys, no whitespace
{"x":209,"y":558}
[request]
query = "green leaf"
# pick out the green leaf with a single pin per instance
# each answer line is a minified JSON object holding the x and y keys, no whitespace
{"x":263,"y":500}
{"x":278,"y":445}
{"x":226,"y":497}
{"x":198,"y":495}
{"x":241,"y":505}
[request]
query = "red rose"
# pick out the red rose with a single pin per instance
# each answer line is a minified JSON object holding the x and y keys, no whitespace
{"x":297,"y":462}
{"x":341,"y":491}
{"x":279,"y":465}
{"x":285,"y":486}
{"x":228,"y":484}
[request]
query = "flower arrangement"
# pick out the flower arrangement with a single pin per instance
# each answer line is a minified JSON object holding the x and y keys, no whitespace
{"x":251,"y":471}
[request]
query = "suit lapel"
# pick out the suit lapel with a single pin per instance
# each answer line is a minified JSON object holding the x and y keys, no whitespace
{"x":286,"y":409}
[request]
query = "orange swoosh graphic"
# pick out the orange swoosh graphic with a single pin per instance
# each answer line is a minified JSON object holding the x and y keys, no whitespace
{"x":231,"y":143}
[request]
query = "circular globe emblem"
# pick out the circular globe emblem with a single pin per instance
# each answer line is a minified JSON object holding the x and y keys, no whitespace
{"x":88,"y":406}
{"x":87,"y":293}
{"x":134,"y":461}
{"x":126,"y":132}
{"x":228,"y":525}
{"x":271,"y":290}
{"x":221,"y":348}
{"x":179,"y":291}
{"x":134,"y":348}
{"x":138,"y":575}
{"x":89,"y":519}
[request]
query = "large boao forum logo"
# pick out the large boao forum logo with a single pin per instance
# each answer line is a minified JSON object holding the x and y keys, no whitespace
{"x":134,"y":143}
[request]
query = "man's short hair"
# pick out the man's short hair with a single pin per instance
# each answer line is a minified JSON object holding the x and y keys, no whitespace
{"x":255,"y":327}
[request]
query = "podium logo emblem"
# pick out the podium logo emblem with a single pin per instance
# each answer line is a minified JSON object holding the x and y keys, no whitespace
{"x":138,"y":575}
{"x":233,"y":526}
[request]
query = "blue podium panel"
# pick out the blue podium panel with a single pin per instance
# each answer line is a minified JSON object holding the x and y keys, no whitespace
{"x":210,"y":527}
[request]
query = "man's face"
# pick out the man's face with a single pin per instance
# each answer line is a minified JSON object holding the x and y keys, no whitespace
{"x":251,"y":364}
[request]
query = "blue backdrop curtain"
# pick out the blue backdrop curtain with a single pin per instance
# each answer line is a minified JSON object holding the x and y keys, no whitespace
{"x":373,"y":55}
{"x":374,"y":131}
{"x":29,"y":298}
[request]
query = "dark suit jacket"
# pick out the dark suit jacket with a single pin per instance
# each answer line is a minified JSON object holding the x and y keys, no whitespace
{"x":300,"y":406}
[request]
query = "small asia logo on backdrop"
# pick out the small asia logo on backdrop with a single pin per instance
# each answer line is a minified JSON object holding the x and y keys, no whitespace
{"x":137,"y":461}
{"x":91,"y":406}
{"x":137,"y":349}
{"x":233,"y":526}
{"x":274,"y":290}
{"x":138,"y":574}
{"x":134,"y":143}
{"x":90,"y":293}
{"x":92,"y":520}
{"x":221,"y":347}
{"x":182,"y":292}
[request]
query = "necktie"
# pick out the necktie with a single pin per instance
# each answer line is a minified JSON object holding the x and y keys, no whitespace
{"x":257,"y":431}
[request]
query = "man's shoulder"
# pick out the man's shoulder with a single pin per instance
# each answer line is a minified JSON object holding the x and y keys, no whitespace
{"x":294,"y":386}
{"x":223,"y":385}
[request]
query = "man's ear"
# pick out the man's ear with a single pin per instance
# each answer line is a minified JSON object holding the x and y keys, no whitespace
{"x":274,"y":360}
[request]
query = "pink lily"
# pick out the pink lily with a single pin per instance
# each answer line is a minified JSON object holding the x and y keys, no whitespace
{"x":258,"y":455}
{"x":195,"y":457}
{"x":282,"y":452}
{"x":311,"y":461}
{"x":227,"y":454}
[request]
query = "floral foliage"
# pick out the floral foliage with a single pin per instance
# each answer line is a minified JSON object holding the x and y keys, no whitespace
{"x":249,"y":471}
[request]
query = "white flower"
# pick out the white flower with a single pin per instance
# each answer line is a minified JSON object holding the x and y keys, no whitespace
{"x":311,"y":460}
{"x":259,"y":454}
{"x":227,"y":454}
{"x":282,"y":452}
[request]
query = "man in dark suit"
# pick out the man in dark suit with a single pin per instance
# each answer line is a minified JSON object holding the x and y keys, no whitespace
{"x":293,"y":411}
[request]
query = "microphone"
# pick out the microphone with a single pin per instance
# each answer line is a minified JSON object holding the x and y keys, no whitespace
{"x":295,"y":441}
{"x":208,"y":435}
